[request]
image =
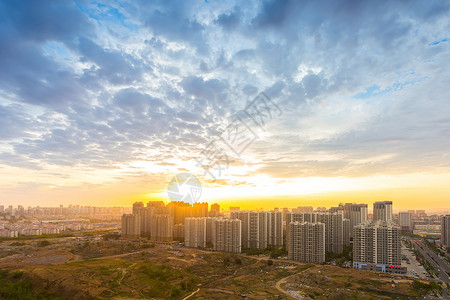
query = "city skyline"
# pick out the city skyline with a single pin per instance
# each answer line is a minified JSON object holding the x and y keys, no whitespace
{"x":104,"y":103}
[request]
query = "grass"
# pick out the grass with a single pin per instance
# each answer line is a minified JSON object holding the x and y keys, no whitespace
{"x":13,"y":286}
{"x":36,"y":237}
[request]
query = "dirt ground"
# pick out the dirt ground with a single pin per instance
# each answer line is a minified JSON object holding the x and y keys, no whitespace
{"x":120,"y":269}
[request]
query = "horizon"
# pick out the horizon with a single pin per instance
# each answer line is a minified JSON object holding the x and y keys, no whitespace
{"x":314,"y":104}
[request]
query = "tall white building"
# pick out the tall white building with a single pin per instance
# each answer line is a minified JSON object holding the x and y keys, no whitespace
{"x":377,"y":246}
{"x":275,"y":228}
{"x":334,"y":227}
{"x":254,"y":228}
{"x":334,"y":238}
{"x":445,"y":232}
{"x":358,"y":215}
{"x":226,"y":235}
{"x":243,"y":216}
{"x":382,"y":211}
{"x":306,"y":242}
{"x":195,"y":232}
{"x":257,"y":230}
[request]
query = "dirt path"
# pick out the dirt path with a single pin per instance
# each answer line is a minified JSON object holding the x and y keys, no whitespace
{"x":282,"y":280}
{"x":191,"y":294}
{"x":124,"y":272}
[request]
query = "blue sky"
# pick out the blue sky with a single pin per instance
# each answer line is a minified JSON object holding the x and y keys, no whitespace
{"x":101,"y":94}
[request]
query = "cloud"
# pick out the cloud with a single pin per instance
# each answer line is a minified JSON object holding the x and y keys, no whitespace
{"x":100,"y":86}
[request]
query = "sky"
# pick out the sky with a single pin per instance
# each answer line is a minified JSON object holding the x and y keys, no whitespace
{"x":103,"y":102}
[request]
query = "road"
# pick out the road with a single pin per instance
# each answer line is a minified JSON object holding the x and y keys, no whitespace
{"x":435,"y":261}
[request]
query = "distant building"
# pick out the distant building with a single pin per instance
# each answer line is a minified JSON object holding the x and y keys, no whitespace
{"x":301,"y":217}
{"x":156,"y":221}
{"x":334,"y":238}
{"x":253,"y":228}
{"x":306,"y":242}
{"x":257,"y":230}
{"x":420,"y":213}
{"x":303,"y":209}
{"x":275,"y":228}
{"x":405,"y":221}
{"x":285,"y":211}
{"x":334,"y":227}
{"x":234,"y":208}
{"x":215,"y":210}
{"x":178,"y":232}
{"x":382,"y":211}
{"x":131,"y":226}
{"x":377,"y":246}
{"x":195,"y":232}
{"x":161,"y":228}
{"x":445,"y":232}
{"x":226,"y":235}
{"x":358,"y":215}
{"x":182,"y":210}
{"x":346,"y":230}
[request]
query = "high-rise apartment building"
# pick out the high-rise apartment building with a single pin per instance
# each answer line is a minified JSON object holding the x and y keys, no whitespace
{"x":358,"y":215}
{"x":285,"y":211}
{"x":346,"y":232}
{"x":253,"y":228}
{"x":155,"y":221}
{"x":334,"y":227}
{"x":301,"y":217}
{"x":445,"y":232}
{"x":405,"y":221}
{"x":306,"y":242}
{"x":226,"y":235}
{"x":275,"y":228}
{"x":182,"y":210}
{"x":131,"y":226}
{"x":178,"y":232}
{"x":161,"y":228}
{"x":377,"y":246}
{"x":257,"y":230}
{"x":215,"y":210}
{"x":382,"y":211}
{"x":303,"y":209}
{"x":195,"y":232}
{"x":334,"y":238}
{"x":337,"y":209}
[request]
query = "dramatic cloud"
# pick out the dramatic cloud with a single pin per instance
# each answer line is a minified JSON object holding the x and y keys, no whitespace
{"x":89,"y":86}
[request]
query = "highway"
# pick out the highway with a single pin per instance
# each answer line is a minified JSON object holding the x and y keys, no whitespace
{"x":437,"y":262}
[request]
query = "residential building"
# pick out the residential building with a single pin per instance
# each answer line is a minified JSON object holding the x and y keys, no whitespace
{"x":195,"y":232}
{"x":377,"y":246}
{"x":226,"y":235}
{"x":445,"y":232}
{"x":405,"y":221}
{"x":306,"y":242}
{"x":131,"y":226}
{"x":382,"y":211}
{"x":275,"y":228}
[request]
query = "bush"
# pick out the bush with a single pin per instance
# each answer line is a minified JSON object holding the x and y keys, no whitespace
{"x":270,"y":262}
{"x":43,"y":243}
{"x":18,"y":244}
